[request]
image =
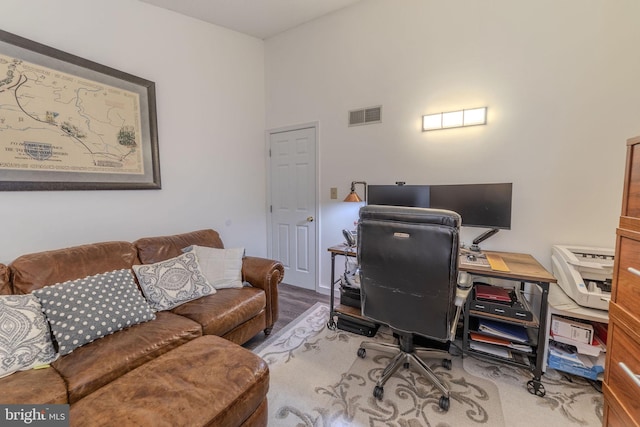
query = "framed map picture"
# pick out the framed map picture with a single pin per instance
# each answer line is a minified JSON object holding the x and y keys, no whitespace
{"x":67,"y":123}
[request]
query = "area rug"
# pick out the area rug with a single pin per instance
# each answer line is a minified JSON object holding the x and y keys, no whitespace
{"x":316,"y":379}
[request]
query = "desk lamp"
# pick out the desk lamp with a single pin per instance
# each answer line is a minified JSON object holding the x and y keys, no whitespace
{"x":353,"y":196}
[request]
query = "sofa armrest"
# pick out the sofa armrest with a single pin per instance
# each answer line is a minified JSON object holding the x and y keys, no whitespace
{"x":5,"y":280}
{"x":265,"y":274}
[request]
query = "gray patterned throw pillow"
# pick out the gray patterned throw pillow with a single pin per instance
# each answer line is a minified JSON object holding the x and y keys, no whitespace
{"x":25,"y":341}
{"x":83,"y":310}
{"x":169,"y":283}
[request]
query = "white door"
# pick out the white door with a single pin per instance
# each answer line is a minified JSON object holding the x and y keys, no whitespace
{"x":293,"y":204}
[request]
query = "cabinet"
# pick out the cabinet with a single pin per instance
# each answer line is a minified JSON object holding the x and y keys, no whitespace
{"x":621,"y":385}
{"x":527,"y":273}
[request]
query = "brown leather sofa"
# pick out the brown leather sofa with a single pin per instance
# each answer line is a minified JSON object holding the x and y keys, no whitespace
{"x":185,"y":367}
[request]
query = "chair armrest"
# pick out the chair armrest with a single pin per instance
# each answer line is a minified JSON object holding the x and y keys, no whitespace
{"x":465,"y":284}
{"x":265,"y":274}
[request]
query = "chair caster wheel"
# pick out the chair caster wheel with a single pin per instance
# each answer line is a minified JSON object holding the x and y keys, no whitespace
{"x":331,"y":325}
{"x":406,"y":365}
{"x":444,"y":403}
{"x":378,"y":392}
{"x":536,"y":387}
{"x":446,"y":364}
{"x":362,"y":353}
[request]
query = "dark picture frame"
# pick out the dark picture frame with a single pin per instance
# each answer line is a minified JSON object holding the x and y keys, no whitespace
{"x":68,"y":123}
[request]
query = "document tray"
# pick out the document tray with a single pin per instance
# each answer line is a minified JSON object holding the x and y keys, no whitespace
{"x":518,"y":309}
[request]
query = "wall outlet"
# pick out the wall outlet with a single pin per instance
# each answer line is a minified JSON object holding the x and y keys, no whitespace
{"x":334,"y":192}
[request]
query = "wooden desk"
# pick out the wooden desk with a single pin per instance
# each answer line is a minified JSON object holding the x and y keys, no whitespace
{"x":523,"y":268}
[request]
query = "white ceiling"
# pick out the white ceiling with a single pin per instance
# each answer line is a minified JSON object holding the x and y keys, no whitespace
{"x":257,"y":18}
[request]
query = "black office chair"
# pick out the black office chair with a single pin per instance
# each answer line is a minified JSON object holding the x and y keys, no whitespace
{"x":408,"y":276}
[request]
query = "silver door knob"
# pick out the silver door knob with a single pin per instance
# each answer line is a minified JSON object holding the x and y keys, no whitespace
{"x":309,"y":219}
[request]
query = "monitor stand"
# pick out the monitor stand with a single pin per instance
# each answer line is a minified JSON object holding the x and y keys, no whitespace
{"x":481,"y":238}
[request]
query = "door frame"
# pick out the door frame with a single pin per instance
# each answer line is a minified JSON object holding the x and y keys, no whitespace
{"x":316,"y":224}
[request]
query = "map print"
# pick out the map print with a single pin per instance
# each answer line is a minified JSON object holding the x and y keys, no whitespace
{"x":57,"y":122}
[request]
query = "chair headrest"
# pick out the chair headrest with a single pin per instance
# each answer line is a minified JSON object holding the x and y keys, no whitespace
{"x":411,"y":214}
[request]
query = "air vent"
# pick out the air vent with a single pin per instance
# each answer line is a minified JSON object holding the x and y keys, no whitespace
{"x":365,"y":116}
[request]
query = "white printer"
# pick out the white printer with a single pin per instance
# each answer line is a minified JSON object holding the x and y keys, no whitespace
{"x":584,"y":273}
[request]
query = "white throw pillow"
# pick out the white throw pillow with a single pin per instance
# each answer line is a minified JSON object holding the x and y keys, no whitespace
{"x":167,"y":284}
{"x":25,"y":341}
{"x":221,"y":267}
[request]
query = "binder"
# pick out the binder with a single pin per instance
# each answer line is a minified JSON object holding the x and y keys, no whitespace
{"x":493,"y":293}
{"x":507,"y":331}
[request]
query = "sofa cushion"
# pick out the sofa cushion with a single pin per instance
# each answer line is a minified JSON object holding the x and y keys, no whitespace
{"x":155,"y":249}
{"x":222,"y":312}
{"x":33,"y":271}
{"x":221,"y":267}
{"x":208,"y":381}
{"x":172,"y":282}
{"x":25,"y":341}
{"x":83,"y":310}
{"x":37,"y":387}
{"x":100,"y":362}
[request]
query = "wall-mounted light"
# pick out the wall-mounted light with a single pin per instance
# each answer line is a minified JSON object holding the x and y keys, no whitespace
{"x":455,"y":119}
{"x":353,"y":196}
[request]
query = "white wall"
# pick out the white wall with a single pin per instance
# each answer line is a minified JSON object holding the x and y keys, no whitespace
{"x":560,"y":80}
{"x":210,"y":100}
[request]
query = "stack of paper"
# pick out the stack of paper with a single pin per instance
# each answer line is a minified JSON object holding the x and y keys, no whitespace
{"x":588,"y":349}
{"x":564,"y":358}
{"x":501,"y":341}
{"x":491,"y":349}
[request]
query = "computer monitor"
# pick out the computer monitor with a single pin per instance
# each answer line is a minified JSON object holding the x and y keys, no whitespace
{"x":399,"y":195}
{"x":480,"y":205}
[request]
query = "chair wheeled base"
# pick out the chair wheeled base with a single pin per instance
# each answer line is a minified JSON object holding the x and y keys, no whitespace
{"x":406,"y":354}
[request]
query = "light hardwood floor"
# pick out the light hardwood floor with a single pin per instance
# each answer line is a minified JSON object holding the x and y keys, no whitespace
{"x":292,"y":302}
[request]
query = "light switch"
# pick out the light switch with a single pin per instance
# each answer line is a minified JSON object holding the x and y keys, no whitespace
{"x":334,"y":192}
